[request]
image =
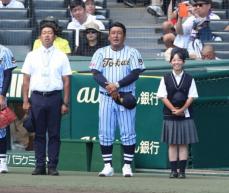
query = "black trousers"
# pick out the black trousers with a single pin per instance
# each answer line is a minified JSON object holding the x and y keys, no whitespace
{"x":46,"y":111}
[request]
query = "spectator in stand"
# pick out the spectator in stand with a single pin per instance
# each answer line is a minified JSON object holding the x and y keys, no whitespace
{"x":91,"y":9}
{"x":168,"y":27}
{"x":93,"y":41}
{"x":81,"y":18}
{"x":60,"y":43}
{"x":168,"y":40}
{"x":11,"y":4}
{"x":195,"y":30}
{"x":208,"y":53}
{"x":227,"y":28}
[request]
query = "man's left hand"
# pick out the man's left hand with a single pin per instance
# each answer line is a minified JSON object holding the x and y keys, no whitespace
{"x":64,"y":109}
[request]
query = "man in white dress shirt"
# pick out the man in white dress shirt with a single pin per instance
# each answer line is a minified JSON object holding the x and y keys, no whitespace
{"x":80,"y":18}
{"x":46,"y":73}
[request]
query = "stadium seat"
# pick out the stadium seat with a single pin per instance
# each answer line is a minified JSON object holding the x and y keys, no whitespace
{"x":106,"y":23}
{"x":70,"y":36}
{"x":44,"y":4}
{"x":15,"y":23}
{"x":63,"y":23}
{"x":16,"y":36}
{"x":223,"y":34}
{"x":218,"y":25}
{"x":13,"y":13}
{"x":57,"y":13}
{"x":18,"y":40}
{"x":217,"y":4}
{"x":221,"y":13}
{"x":225,"y":4}
{"x":101,"y":3}
{"x":104,"y":12}
{"x":219,"y":46}
{"x":19,"y":51}
{"x":222,"y":54}
{"x":25,"y":2}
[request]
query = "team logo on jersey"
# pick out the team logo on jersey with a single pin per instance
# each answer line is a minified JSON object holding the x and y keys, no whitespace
{"x":92,"y":65}
{"x":109,"y":62}
{"x":140,"y":61}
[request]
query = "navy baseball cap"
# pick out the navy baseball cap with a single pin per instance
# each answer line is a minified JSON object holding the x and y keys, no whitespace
{"x":127,"y":100}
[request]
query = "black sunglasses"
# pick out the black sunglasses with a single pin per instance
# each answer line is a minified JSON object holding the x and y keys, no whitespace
{"x":199,"y":4}
{"x":91,"y":31}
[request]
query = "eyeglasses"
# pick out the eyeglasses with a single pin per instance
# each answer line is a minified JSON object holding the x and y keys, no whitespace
{"x":199,"y":4}
{"x":91,"y":31}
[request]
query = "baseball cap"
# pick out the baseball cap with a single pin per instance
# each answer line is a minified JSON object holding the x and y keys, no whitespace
{"x":127,"y":100}
{"x":202,"y":1}
{"x":92,"y":25}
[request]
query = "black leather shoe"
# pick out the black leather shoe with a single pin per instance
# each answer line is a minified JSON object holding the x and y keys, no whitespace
{"x":182,"y":175}
{"x":53,"y":172}
{"x":39,"y":171}
{"x":173,"y":174}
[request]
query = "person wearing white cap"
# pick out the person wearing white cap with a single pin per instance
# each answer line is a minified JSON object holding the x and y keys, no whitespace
{"x":93,"y":40}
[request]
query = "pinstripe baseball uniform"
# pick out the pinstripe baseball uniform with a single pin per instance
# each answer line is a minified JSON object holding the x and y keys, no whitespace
{"x":7,"y":61}
{"x":115,"y":65}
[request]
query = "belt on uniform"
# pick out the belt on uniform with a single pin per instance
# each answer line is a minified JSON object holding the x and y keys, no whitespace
{"x":107,"y":94}
{"x":49,"y":93}
{"x":104,"y":93}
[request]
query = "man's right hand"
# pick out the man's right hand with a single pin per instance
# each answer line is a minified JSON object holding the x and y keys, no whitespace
{"x":26,"y":106}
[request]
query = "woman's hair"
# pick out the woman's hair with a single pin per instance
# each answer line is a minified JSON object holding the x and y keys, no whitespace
{"x":181,"y":52}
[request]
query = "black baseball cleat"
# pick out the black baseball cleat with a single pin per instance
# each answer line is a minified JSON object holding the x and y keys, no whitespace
{"x":173,"y":174}
{"x":53,"y":172}
{"x":39,"y":171}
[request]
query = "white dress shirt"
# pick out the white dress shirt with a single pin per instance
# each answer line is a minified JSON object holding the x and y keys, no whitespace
{"x":46,"y":72}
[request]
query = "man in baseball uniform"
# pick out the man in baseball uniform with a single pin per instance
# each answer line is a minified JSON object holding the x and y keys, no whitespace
{"x":116,"y":68}
{"x":7,"y":64}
